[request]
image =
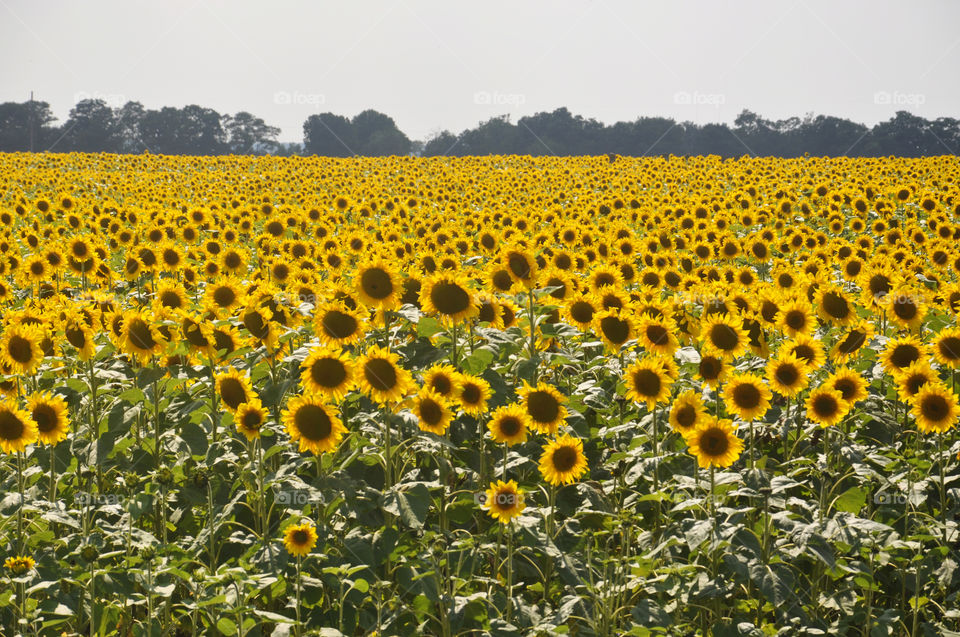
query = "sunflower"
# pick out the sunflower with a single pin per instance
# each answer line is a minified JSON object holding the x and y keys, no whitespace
{"x":796,"y":317}
{"x":234,"y":389}
{"x":314,"y":423}
{"x":615,"y":328}
{"x":723,"y":335}
{"x":140,"y":335}
{"x":17,"y":428}
{"x":712,"y":370}
{"x":903,"y":351}
{"x":509,"y":424}
{"x":686,"y":412}
{"x":850,"y":383}
{"x":442,"y":379}
{"x":433,"y":411}
{"x":834,"y":306}
{"x":580,"y":309}
{"x":19,"y":565}
{"x":504,"y":500}
{"x":658,"y":335}
{"x":935,"y":408}
{"x":520,"y":265}
{"x":714,"y":444}
{"x":472,"y":393}
{"x":807,"y":349}
{"x":544,"y":406}
{"x":648,"y":382}
{"x":826,"y":406}
{"x":912,"y":378}
{"x":20,"y":347}
{"x":850,"y":343}
{"x":563,"y":461}
{"x":224,"y":296}
{"x":299,"y":539}
{"x":50,"y":413}
{"x":946,"y":347}
{"x":448,"y":294}
{"x":381,"y":377}
{"x":377,"y":284}
{"x":335,"y":324}
{"x":788,"y":375}
{"x":327,"y":371}
{"x":250,"y":417}
{"x":746,"y":396}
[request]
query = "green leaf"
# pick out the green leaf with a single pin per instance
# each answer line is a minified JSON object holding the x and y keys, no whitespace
{"x":410,"y":505}
{"x":851,"y":501}
{"x":478,"y":361}
{"x":227,"y":626}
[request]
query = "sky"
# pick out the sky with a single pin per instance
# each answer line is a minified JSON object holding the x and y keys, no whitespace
{"x":448,"y":65}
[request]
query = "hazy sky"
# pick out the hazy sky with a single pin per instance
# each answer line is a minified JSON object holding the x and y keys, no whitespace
{"x":451,"y":64}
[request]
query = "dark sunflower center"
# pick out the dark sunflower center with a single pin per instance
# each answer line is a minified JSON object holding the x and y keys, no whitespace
{"x":75,"y":337}
{"x":603,"y":279}
{"x":471,"y":394}
{"x":904,"y":354}
{"x":171,"y":300}
{"x":430,"y":411}
{"x":835,"y":306}
{"x":46,"y":417}
{"x":879,"y":285}
{"x":376,"y":284}
{"x":542,"y":406}
{"x":795,"y":319}
{"x":328,"y":372}
{"x":313,"y":423}
{"x":20,"y":349}
{"x":582,"y":312}
{"x":222,"y":341}
{"x":746,"y":395}
{"x":232,"y":392}
{"x":519,"y":266}
{"x":658,"y":335}
{"x":449,"y":298}
{"x":224,"y":296}
{"x":710,"y":367}
{"x":487,"y":313}
{"x":232,"y":260}
{"x":724,"y":337}
{"x":37,"y":268}
{"x":614,"y":329}
{"x":300,"y":537}
{"x":255,"y":324}
{"x":140,"y":335}
{"x":934,"y":408}
{"x":949,"y":347}
{"x":564,"y":459}
{"x":825,"y":406}
{"x":852,"y":342}
{"x":905,"y":309}
{"x":686,"y":416}
{"x":441,"y":384}
{"x":11,"y":427}
{"x":915,"y":382}
{"x":647,"y":382}
{"x":510,"y":426}
{"x":339,"y":324}
{"x":380,"y":374}
{"x":787,"y":374}
{"x":501,"y":280}
{"x":714,"y":443}
{"x":805,"y":352}
{"x":252,"y":420}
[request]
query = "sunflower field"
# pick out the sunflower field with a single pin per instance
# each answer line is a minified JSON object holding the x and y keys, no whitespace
{"x":489,"y":395}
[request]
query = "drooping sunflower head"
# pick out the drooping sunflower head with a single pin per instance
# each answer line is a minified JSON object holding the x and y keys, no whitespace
{"x":299,"y":539}
{"x":327,"y":371}
{"x":850,"y":343}
{"x":563,"y":460}
{"x":310,"y":420}
{"x":834,"y":306}
{"x":615,"y":328}
{"x":504,"y":500}
{"x":509,"y":424}
{"x":141,"y":336}
{"x":714,"y":443}
{"x":545,"y":407}
{"x":520,"y":265}
{"x":712,"y":370}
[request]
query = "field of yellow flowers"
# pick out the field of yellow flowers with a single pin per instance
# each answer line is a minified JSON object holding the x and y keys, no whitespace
{"x":502,"y":395}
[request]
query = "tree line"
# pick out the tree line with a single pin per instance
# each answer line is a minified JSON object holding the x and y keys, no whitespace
{"x":94,"y":126}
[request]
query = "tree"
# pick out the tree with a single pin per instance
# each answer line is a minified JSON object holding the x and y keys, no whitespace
{"x":247,"y":134}
{"x":25,"y":126}
{"x":328,"y":134}
{"x":377,"y":134}
{"x":91,"y":127}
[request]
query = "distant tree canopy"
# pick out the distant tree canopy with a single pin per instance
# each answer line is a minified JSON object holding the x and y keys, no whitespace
{"x":95,"y":126}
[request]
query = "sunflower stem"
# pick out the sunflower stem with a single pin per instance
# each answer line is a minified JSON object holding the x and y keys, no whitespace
{"x":53,"y":474}
{"x":20,"y":487}
{"x":941,"y":460}
{"x":299,"y":626}
{"x":510,"y":571}
{"x":533,"y":342}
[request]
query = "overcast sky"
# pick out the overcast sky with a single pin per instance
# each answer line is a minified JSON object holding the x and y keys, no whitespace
{"x":435,"y":65}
